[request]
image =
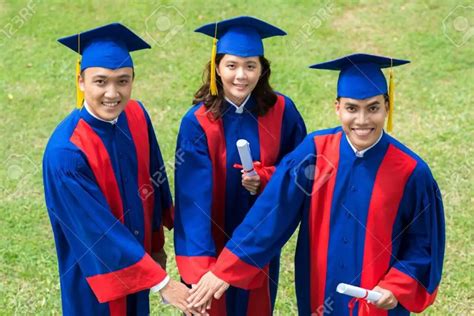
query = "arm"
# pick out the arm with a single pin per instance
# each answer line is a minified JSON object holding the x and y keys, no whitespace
{"x":112,"y":260}
{"x":194,"y":245}
{"x":163,"y":211}
{"x":416,"y":271}
{"x":266,"y":228}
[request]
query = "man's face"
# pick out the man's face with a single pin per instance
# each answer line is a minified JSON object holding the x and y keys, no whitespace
{"x":107,"y":91}
{"x":362,"y":120}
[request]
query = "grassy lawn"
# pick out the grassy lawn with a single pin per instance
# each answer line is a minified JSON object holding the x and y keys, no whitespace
{"x":433,"y":112}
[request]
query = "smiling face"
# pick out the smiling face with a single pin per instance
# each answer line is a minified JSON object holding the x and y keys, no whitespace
{"x":239,"y":76}
{"x":107,"y":91}
{"x":362,"y":120}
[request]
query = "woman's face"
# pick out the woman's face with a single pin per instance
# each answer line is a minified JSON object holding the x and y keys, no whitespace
{"x":239,"y":76}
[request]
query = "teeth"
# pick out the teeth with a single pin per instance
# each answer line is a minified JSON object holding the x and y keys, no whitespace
{"x":362,"y":131}
{"x":110,"y":104}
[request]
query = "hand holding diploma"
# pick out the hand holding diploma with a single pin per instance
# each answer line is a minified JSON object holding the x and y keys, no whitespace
{"x":380,"y":297}
{"x":250,"y":178}
{"x":358,"y":292}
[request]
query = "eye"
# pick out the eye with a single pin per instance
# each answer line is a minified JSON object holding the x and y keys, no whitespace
{"x":373,"y":109}
{"x":231,"y":66}
{"x":351,"y":109}
{"x":99,"y":82}
{"x":251,"y":67}
{"x":123,"y":82}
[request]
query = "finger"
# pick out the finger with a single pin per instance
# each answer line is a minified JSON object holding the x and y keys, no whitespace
{"x":193,"y":289}
{"x":199,"y":297}
{"x":209,"y":304}
{"x":220,"y":292}
{"x":195,"y":296}
{"x":204,"y":299}
{"x":197,"y":291}
{"x":183,"y":308}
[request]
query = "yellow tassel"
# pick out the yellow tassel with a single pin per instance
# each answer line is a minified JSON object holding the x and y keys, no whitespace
{"x":391,"y":92}
{"x":79,"y":93}
{"x":213,"y":83}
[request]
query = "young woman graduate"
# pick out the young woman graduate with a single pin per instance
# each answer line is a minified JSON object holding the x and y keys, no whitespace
{"x":213,"y":196}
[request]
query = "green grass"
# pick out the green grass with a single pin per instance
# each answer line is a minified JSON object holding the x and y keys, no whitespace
{"x":434,"y":114}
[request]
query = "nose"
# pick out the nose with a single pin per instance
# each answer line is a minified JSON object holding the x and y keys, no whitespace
{"x":241,"y":74}
{"x":362,"y":117}
{"x":111,"y":92}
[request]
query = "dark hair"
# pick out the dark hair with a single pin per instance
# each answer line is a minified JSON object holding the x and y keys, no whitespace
{"x":263,"y":92}
{"x":385,"y":98}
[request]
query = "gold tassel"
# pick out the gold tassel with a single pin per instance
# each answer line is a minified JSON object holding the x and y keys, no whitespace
{"x":391,"y":92}
{"x":79,"y":92}
{"x":213,"y":83}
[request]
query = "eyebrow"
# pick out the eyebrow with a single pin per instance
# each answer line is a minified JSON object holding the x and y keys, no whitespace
{"x":105,"y":77}
{"x":355,"y":104}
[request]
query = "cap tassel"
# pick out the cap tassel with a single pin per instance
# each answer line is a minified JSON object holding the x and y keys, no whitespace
{"x":79,"y":92}
{"x":391,"y":91}
{"x":213,"y":84}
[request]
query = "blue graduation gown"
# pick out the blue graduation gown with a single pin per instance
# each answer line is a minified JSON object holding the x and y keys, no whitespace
{"x":375,"y":220}
{"x":107,"y":197}
{"x":210,"y":199}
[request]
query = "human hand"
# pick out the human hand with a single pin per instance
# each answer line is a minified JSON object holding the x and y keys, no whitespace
{"x":387,"y":301}
{"x":210,"y":286}
{"x":251,"y":183}
{"x":176,"y":293}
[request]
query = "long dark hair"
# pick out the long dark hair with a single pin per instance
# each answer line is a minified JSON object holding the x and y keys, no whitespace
{"x":263,"y":92}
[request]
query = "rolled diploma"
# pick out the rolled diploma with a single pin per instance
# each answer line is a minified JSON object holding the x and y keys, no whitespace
{"x":359,"y":292}
{"x":243,"y":147}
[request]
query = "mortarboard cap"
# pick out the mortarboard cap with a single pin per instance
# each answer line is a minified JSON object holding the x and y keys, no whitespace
{"x":107,"y":46}
{"x":361,"y":77}
{"x":241,"y":36}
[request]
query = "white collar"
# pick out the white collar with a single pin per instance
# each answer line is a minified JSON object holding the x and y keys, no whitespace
{"x":360,"y":153}
{"x":238,"y":108}
{"x":113,"y":122}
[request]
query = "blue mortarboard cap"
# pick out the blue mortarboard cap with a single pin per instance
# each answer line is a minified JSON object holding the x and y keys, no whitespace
{"x":360,"y":75}
{"x":107,"y":46}
{"x":241,"y":36}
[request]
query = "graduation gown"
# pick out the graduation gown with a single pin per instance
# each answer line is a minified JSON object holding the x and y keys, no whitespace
{"x":365,"y":221}
{"x":108,"y":198}
{"x":210,"y":199}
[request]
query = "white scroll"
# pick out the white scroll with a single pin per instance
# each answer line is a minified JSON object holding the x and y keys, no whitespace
{"x":243,"y":147}
{"x":359,"y":292}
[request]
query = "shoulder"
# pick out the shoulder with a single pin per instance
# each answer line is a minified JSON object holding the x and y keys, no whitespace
{"x":189,"y":123}
{"x":422,"y":170}
{"x":334,"y":131}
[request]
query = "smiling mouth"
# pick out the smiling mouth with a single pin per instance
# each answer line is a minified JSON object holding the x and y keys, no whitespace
{"x":111,"y":104}
{"x":240,"y":85}
{"x":362,"y":132}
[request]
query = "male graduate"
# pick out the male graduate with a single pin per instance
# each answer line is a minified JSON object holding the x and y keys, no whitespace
{"x":369,"y":209}
{"x":106,"y":189}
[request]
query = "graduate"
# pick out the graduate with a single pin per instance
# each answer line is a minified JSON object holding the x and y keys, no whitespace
{"x":106,"y":188}
{"x":369,"y":210}
{"x":213,"y":196}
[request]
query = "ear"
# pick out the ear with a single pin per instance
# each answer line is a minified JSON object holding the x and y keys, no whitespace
{"x":81,"y":83}
{"x":217,"y":70}
{"x":387,"y":107}
{"x":337,"y":107}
